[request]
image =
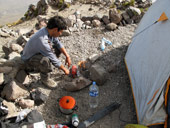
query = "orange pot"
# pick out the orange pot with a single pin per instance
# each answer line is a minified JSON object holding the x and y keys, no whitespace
{"x":67,"y":105}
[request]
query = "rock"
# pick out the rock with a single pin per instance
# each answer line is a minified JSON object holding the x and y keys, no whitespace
{"x":127,"y":18}
{"x":72,"y":18}
{"x":42,"y":17}
{"x":141,"y":1}
{"x":66,"y":33}
{"x":88,"y":27}
{"x":93,"y":58}
{"x":97,"y":17}
{"x":26,"y":103}
{"x":129,"y":21}
{"x":96,"y":23}
{"x":41,"y":7}
{"x":153,"y":1}
{"x":69,"y":22}
{"x":3,"y":34}
{"x":43,"y":2}
{"x":114,"y":16}
{"x":7,"y":79}
{"x":22,"y":77}
{"x":2,"y":61}
{"x":8,"y":31}
{"x":11,"y":63}
{"x":13,"y":73}
{"x":80,"y":23}
{"x":98,"y":74}
{"x":13,"y":90}
{"x":1,"y":78}
{"x":16,"y":48}
{"x":137,"y":19}
{"x":136,"y":11}
{"x":120,"y":1}
{"x":73,"y":29}
{"x":6,"y":48}
{"x":5,"y":69}
{"x":85,"y":18}
{"x":67,"y":78}
{"x":87,"y":23}
{"x":68,"y":1}
{"x":111,"y":26}
{"x":11,"y":109}
{"x":22,"y":40}
{"x":23,"y":31}
{"x":132,"y":11}
{"x":13,"y":55}
{"x":106,"y":20}
{"x":77,"y":84}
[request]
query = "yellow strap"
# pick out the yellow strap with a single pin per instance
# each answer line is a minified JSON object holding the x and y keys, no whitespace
{"x":166,"y":100}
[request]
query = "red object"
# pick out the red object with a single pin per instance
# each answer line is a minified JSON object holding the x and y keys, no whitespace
{"x":74,"y":71}
{"x":67,"y":102}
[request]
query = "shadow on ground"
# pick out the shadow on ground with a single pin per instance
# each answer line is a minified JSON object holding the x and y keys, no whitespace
{"x":116,"y":89}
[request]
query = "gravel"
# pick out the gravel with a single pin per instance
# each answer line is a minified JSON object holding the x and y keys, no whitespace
{"x":80,"y":46}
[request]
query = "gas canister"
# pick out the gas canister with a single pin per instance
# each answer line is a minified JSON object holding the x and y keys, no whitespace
{"x":74,"y":71}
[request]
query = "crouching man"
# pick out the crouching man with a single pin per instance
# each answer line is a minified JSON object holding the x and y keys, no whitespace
{"x":41,"y":52}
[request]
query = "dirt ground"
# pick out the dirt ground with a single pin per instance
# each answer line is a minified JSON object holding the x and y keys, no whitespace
{"x":81,"y":45}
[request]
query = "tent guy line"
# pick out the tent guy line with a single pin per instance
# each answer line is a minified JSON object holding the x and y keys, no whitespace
{"x":163,"y":17}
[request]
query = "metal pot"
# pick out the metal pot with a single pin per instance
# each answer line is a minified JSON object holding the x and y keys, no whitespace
{"x":67,"y":105}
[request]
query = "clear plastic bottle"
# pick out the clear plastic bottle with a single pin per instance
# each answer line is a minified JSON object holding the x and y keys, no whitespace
{"x":75,"y":120}
{"x":93,"y":95}
{"x":107,"y":41}
{"x":102,"y":45}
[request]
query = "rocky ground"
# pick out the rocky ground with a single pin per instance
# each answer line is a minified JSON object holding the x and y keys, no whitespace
{"x":81,"y":45}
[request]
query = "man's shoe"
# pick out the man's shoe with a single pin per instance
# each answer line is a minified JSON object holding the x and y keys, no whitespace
{"x":49,"y":83}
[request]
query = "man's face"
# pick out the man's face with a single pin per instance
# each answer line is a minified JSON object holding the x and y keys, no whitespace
{"x":56,"y":33}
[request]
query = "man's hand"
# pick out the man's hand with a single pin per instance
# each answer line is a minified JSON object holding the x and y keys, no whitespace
{"x":68,"y":61}
{"x":65,"y":70}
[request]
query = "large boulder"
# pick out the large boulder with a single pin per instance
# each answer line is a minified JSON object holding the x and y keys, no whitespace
{"x":98,"y":74}
{"x":76,"y":84}
{"x":13,"y":90}
{"x":114,"y":16}
{"x":22,"y":77}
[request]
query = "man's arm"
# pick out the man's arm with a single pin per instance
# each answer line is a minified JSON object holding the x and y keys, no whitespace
{"x":68,"y":60}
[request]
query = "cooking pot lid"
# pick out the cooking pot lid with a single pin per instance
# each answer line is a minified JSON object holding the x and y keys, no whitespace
{"x":67,"y":102}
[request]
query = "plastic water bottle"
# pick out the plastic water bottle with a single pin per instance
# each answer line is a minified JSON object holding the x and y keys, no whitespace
{"x":107,"y":41}
{"x":102,"y":45}
{"x":93,"y":95}
{"x":75,"y":120}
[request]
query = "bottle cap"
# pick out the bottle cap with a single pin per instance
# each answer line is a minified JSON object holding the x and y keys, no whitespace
{"x":75,"y":123}
{"x":94,"y":82}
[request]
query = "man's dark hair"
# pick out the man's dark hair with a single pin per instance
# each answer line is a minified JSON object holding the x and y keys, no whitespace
{"x":57,"y":22}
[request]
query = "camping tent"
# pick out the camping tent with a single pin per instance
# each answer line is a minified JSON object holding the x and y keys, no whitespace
{"x":148,"y":64}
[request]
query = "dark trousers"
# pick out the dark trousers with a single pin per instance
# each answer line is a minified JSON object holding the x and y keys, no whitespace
{"x":40,"y":64}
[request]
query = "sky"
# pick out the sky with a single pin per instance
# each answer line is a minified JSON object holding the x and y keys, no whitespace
{"x":13,"y":10}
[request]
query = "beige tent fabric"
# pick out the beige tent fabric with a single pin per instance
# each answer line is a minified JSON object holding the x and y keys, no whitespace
{"x":148,"y":64}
